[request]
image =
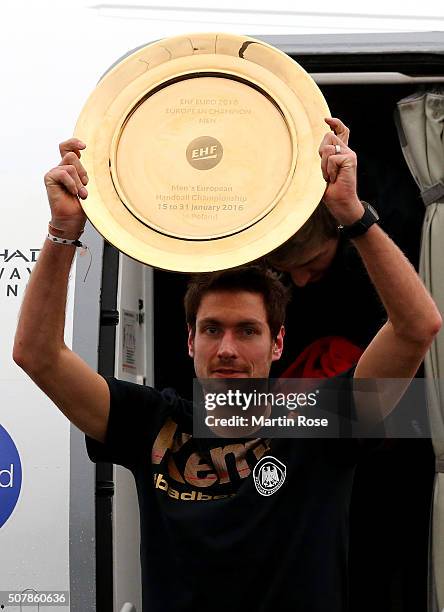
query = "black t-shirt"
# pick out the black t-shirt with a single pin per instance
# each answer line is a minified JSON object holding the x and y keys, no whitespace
{"x":239,"y":525}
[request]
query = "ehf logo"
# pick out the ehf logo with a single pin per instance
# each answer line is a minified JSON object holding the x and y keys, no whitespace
{"x":204,"y":152}
{"x":269,"y":475}
{"x":10,"y":476}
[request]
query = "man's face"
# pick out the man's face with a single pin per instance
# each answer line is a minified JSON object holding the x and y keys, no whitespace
{"x":313,"y":264}
{"x":232,"y":338}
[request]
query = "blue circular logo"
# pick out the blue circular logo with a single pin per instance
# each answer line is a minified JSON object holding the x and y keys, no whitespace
{"x":10,"y":476}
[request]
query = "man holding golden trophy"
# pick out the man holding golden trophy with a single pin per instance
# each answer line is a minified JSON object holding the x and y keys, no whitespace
{"x":202,"y":154}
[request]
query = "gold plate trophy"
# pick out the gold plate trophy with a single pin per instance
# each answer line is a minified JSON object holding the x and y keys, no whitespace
{"x":202,"y":151}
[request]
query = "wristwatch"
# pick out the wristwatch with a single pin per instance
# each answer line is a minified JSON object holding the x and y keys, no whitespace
{"x":359,"y":227}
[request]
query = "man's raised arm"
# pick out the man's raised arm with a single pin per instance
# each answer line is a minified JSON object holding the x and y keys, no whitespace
{"x":39,"y":348}
{"x":399,"y":347}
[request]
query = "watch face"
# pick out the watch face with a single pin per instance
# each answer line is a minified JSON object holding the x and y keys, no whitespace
{"x":373,"y":211}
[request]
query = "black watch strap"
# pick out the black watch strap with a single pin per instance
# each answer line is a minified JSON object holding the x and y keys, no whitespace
{"x":358,"y":228}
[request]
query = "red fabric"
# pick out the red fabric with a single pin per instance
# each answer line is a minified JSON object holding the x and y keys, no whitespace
{"x":324,"y":358}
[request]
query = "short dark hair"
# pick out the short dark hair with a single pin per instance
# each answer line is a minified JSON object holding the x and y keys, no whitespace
{"x":321,"y":226}
{"x":253,"y":278}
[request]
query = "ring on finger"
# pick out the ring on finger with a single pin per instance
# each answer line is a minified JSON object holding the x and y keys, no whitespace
{"x":337,"y":148}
